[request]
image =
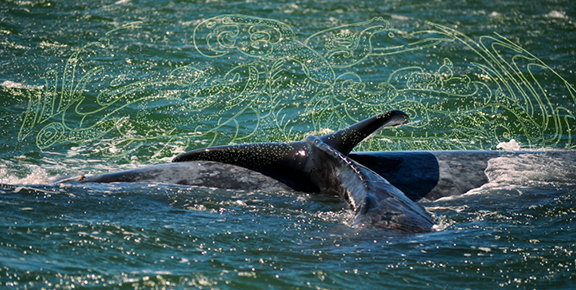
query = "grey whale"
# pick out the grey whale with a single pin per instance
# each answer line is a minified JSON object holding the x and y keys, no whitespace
{"x":381,"y":187}
{"x":315,"y":165}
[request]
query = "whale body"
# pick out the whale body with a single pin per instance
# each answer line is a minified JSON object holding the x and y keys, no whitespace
{"x":419,"y":175}
{"x":381,"y":187}
{"x":315,"y":165}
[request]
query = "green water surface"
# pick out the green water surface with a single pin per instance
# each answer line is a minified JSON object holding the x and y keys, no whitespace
{"x":100,"y":86}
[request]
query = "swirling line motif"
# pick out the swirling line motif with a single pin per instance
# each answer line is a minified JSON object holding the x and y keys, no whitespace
{"x":260,"y":38}
{"x":285,"y":88}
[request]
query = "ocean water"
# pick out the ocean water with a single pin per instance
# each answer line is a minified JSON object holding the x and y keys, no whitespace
{"x":90,"y":87}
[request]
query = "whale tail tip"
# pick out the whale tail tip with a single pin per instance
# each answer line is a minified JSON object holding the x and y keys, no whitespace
{"x":346,"y":139}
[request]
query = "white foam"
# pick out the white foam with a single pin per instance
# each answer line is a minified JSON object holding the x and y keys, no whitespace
{"x":511,"y":145}
{"x":556,"y":14}
{"x":399,"y":17}
{"x":534,"y":170}
{"x":37,"y":175}
{"x":15,"y":85}
{"x":45,"y":44}
{"x":495,"y":14}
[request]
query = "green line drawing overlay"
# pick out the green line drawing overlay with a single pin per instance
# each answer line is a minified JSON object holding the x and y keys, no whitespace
{"x":276,"y":86}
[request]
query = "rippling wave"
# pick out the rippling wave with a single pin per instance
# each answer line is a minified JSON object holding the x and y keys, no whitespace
{"x":99,"y":86}
{"x":259,"y":81}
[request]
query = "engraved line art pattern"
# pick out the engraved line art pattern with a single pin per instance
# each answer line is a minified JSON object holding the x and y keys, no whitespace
{"x":276,"y":86}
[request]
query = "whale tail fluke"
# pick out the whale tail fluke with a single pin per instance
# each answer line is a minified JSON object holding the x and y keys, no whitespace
{"x":346,"y":139}
{"x":287,"y":162}
{"x":343,"y":140}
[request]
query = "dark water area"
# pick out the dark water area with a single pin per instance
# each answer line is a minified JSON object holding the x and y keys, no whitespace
{"x":167,"y":236}
{"x":90,"y":87}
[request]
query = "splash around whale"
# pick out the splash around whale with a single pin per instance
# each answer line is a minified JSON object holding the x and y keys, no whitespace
{"x":313,"y":165}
